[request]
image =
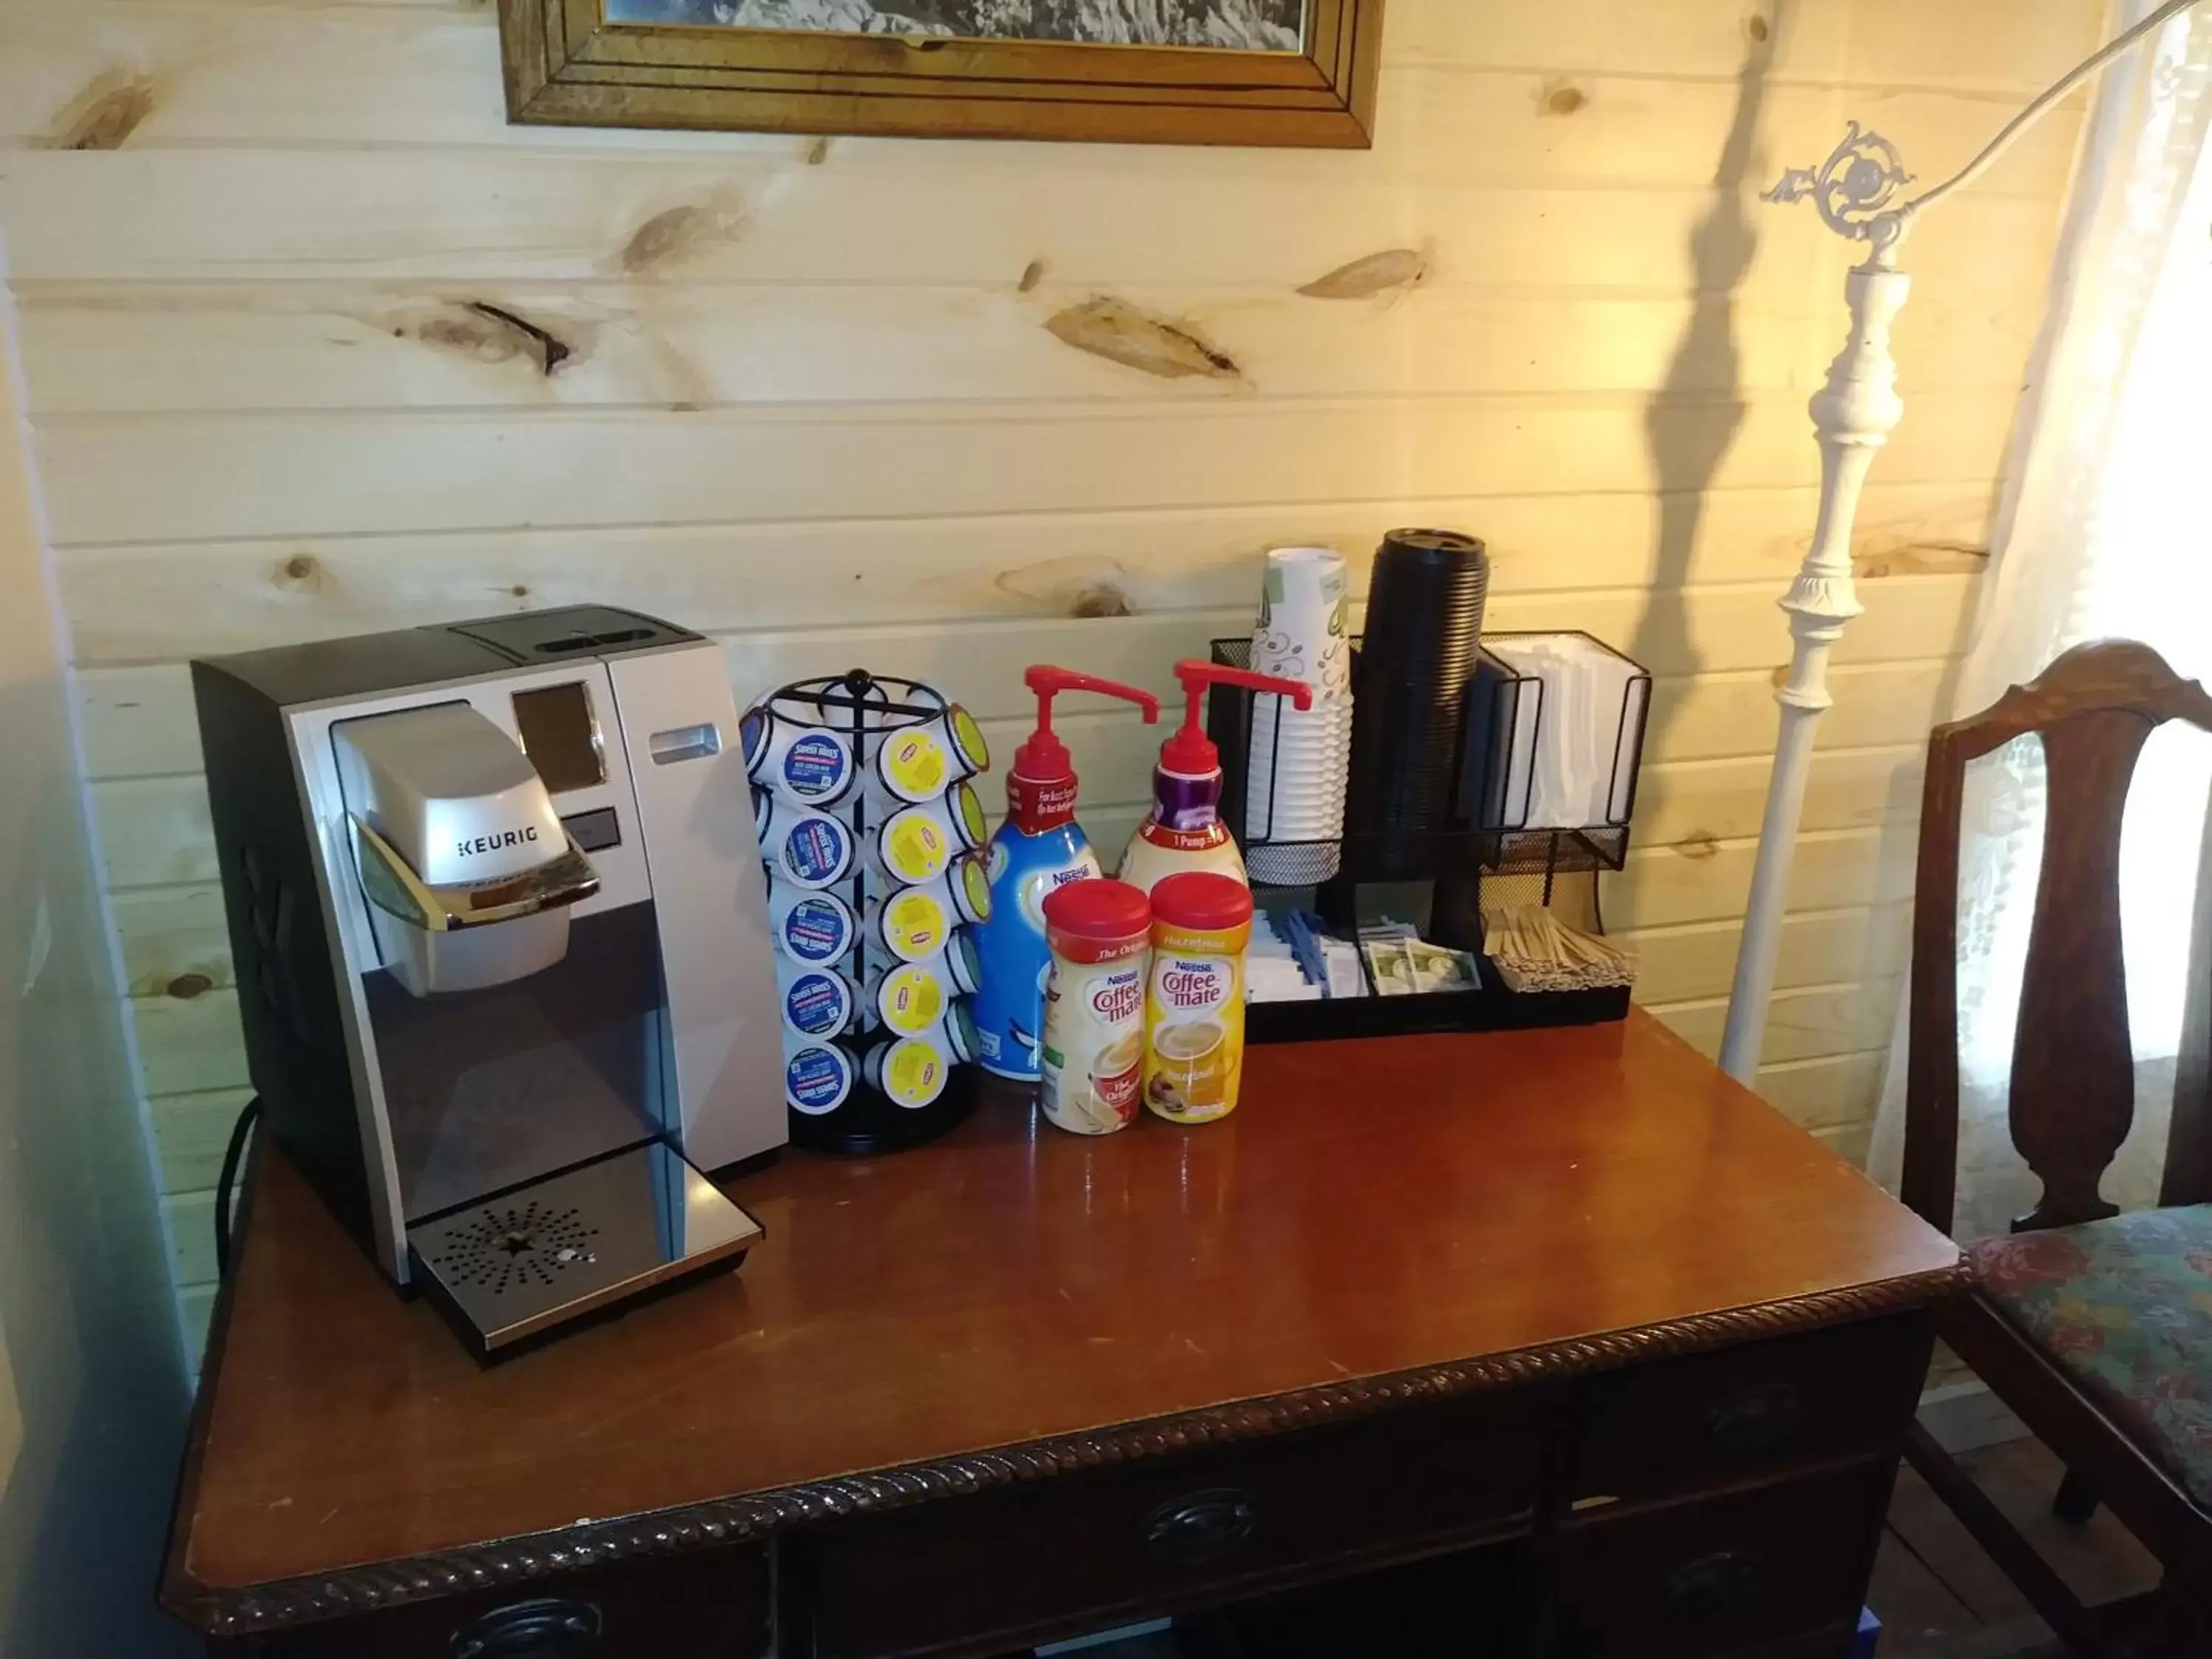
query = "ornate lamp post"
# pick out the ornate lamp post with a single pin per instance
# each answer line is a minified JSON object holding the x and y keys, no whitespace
{"x":1856,"y":192}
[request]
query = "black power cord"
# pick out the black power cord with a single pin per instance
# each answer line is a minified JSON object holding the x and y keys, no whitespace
{"x":233,"y":1155}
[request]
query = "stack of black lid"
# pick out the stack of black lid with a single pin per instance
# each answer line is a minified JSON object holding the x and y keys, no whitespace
{"x":1417,"y":658}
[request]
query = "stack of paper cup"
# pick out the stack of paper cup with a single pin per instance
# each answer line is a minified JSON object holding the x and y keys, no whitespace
{"x":1299,"y":761}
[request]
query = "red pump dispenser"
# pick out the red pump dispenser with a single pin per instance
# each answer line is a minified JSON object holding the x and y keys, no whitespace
{"x":1190,"y":753}
{"x":1041,"y":784}
{"x":1184,"y":830}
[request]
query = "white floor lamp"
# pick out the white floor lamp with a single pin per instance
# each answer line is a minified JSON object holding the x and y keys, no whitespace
{"x":1857,"y":190}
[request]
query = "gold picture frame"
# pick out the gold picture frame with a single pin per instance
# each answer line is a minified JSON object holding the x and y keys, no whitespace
{"x":567,"y":64}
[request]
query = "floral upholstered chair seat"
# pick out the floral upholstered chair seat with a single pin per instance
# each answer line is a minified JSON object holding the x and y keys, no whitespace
{"x":2124,"y":1307}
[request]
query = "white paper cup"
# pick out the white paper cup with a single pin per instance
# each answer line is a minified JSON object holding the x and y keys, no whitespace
{"x":1303,"y":628}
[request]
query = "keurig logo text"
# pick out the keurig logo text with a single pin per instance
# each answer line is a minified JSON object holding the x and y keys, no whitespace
{"x":492,"y":844}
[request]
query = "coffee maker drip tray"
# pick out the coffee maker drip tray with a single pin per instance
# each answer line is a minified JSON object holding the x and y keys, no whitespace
{"x":518,"y":1266}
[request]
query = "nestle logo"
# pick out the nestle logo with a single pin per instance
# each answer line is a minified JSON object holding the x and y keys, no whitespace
{"x":469,"y":849}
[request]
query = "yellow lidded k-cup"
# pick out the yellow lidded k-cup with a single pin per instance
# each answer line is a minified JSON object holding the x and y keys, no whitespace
{"x":912,"y":996}
{"x":915,"y":844}
{"x":910,"y":1070}
{"x":914,"y":923}
{"x":1195,"y":996}
{"x":921,"y":762}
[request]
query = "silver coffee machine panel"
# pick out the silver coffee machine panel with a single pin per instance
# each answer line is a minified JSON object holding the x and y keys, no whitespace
{"x":495,"y":893}
{"x":467,"y":869}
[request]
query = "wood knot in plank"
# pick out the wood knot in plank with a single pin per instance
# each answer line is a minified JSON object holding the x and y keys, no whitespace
{"x":1561,"y":98}
{"x":1920,"y":559}
{"x":674,"y":235}
{"x":186,"y":986}
{"x":1104,"y":600}
{"x":1758,"y":28}
{"x":495,"y":334}
{"x":105,"y":114}
{"x":1698,"y":847}
{"x":1032,"y":274}
{"x":1080,"y":586}
{"x":552,"y":350}
{"x":1386,"y":272}
{"x":817,"y":152}
{"x":1121,"y":333}
{"x":302,"y":572}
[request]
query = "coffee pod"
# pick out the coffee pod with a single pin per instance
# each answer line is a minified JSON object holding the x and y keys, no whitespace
{"x":912,"y":996}
{"x":955,"y":1034}
{"x":921,"y":762}
{"x":910,"y":1070}
{"x":817,"y":1076}
{"x":810,"y":928}
{"x":756,"y":729}
{"x":914,"y":923}
{"x":917,"y":843}
{"x":818,"y":1002}
{"x":806,"y":848}
{"x":964,"y":963}
{"x":805,"y":764}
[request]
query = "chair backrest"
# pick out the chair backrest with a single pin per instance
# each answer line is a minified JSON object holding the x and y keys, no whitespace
{"x":2073,"y":1071}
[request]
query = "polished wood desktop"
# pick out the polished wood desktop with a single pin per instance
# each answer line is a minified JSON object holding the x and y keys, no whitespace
{"x":1569,"y":1294}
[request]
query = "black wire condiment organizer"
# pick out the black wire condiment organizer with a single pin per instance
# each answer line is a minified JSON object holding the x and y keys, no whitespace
{"x":1478,"y":854}
{"x":867,"y":709}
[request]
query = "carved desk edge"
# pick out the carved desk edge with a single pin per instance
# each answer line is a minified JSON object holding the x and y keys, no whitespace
{"x":219,"y":1611}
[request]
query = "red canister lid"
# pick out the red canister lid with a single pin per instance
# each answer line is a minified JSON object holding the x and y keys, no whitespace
{"x":1098,"y":909}
{"x":1203,"y":900}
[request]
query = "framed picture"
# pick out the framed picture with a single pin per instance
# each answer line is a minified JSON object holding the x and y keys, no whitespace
{"x":1286,"y":72}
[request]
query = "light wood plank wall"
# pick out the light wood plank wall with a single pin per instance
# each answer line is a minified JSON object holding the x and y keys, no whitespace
{"x":808,"y":402}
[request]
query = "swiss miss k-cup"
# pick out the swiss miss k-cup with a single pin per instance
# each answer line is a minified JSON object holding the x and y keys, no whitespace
{"x":796,"y":761}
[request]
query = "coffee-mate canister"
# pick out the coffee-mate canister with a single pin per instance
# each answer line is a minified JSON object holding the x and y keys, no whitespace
{"x":1195,"y":996}
{"x":1093,"y":1047}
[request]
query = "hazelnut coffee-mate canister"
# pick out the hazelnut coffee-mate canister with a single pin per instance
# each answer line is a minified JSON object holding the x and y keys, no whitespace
{"x":1195,"y":996}
{"x":1092,"y":1054}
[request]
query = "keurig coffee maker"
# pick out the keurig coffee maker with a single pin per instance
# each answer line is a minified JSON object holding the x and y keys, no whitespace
{"x":503,"y":952}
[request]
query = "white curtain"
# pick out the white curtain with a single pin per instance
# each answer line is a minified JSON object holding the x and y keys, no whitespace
{"x":2106,"y":530}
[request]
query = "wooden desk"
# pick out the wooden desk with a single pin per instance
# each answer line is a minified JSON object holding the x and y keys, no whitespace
{"x":1570,"y":1294}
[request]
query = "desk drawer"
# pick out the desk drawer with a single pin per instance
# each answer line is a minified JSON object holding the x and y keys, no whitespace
{"x":710,"y":1605}
{"x":1778,"y":1569}
{"x":1066,"y":1553}
{"x":1719,"y":1416}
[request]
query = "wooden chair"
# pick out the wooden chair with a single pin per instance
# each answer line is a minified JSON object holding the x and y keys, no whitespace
{"x":2083,"y":1320}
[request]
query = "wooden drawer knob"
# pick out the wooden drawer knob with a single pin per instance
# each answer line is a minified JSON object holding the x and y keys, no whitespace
{"x":1190,"y":1532}
{"x":1715,"y":1584}
{"x":1756,"y":1422}
{"x":545,"y":1629}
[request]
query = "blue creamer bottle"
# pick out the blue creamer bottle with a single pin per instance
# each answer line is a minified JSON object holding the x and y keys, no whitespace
{"x":1038,"y":848}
